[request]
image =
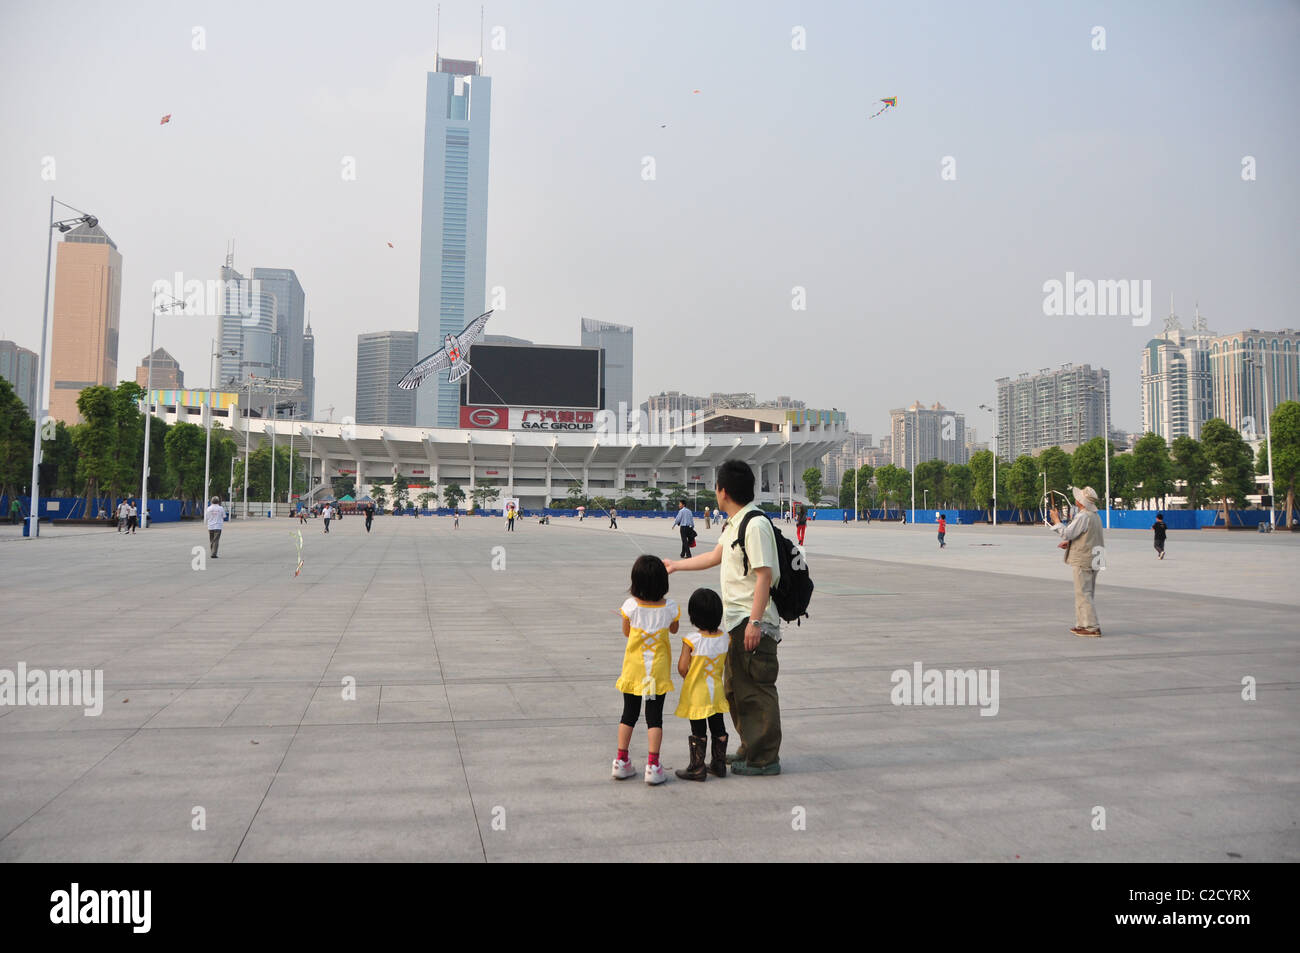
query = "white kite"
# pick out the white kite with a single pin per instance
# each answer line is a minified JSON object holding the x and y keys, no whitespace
{"x":451,"y":354}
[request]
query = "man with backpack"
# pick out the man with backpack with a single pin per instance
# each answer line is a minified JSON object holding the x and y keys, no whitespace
{"x":751,"y":570}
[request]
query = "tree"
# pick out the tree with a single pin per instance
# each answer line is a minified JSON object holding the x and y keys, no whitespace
{"x":1024,"y":484}
{"x":812,"y":484}
{"x":16,"y":433}
{"x":400,"y":487}
{"x":865,"y":473}
{"x":981,"y":466}
{"x":380,"y":498}
{"x":1231,"y":462}
{"x":1123,"y":485}
{"x":655,"y":496}
{"x":602,"y":503}
{"x":1055,"y":462}
{"x":1284,"y":429}
{"x":1192,"y":469}
{"x":453,"y":494}
{"x":1088,"y":465}
{"x":673,"y":491}
{"x":929,"y":482}
{"x":846,"y":489}
{"x":184,"y":446}
{"x":259,"y":471}
{"x":628,"y":503}
{"x":342,"y":486}
{"x":423,"y":500}
{"x":1152,"y":469}
{"x":959,"y":482}
{"x":576,"y":497}
{"x":484,"y":493}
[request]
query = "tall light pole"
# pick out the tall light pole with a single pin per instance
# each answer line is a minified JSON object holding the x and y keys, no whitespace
{"x":207,"y":452}
{"x":248,"y":410}
{"x":148,"y":403}
{"x":63,"y":226}
{"x":916,"y":420}
{"x":1268,"y":437}
{"x":996,"y":448}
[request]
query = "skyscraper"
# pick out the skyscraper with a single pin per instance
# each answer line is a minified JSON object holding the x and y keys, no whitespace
{"x":453,"y":227}
{"x":383,"y":359}
{"x":18,"y":367}
{"x":1061,"y":408}
{"x":286,"y":346}
{"x":308,"y":374}
{"x":247,"y":326}
{"x":1177,"y":391}
{"x":616,"y":339}
{"x":87,"y":314}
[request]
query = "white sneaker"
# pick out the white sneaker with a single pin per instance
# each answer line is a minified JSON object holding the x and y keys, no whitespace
{"x":654,"y":774}
{"x":622,"y":769}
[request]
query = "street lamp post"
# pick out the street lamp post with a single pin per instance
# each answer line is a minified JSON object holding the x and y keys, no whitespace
{"x":63,"y":226}
{"x":996,"y":448}
{"x":916,"y":420}
{"x":207,"y":452}
{"x":148,"y":405}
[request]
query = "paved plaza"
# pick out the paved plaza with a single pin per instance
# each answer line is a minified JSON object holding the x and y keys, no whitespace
{"x":484,"y":717}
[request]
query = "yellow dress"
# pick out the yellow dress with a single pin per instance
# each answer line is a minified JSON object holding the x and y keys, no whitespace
{"x":703,"y":692}
{"x":647,"y":661}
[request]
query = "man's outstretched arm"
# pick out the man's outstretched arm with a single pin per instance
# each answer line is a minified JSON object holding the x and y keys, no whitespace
{"x":705,"y":561}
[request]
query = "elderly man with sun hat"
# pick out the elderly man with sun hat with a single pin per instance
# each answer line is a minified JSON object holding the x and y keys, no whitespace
{"x":1085,"y":553}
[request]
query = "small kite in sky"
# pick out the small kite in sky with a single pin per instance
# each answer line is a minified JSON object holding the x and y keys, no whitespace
{"x":165,"y":119}
{"x":390,"y":244}
{"x":451,"y":354}
{"x":889,"y":102}
{"x":694,"y":90}
{"x":298,"y":539}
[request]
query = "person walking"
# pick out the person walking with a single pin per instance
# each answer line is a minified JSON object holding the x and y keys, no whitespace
{"x":327,"y":514}
{"x":15,"y":511}
{"x":750,"y":570}
{"x":123,"y":511}
{"x":132,"y":516}
{"x":708,"y":519}
{"x":801,"y":522}
{"x":370,"y":515}
{"x":685,"y":523}
{"x":613,"y":518}
{"x":1160,"y":528}
{"x":455,"y":521}
{"x":216,"y":517}
{"x":510,"y":518}
{"x":1085,"y":553}
{"x":943,"y":529}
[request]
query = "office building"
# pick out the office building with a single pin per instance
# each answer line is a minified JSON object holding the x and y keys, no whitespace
{"x":18,"y":366}
{"x":246,"y":326}
{"x":453,"y":220}
{"x":87,"y":316}
{"x":287,"y":329}
{"x":616,"y":339}
{"x":1053,"y":408}
{"x":383,"y":358}
{"x":167,"y":371}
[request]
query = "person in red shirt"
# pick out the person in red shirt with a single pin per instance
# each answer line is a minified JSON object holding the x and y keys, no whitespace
{"x":943,"y":528}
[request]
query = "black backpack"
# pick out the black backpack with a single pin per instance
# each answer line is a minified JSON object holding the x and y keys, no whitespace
{"x":793,"y":593}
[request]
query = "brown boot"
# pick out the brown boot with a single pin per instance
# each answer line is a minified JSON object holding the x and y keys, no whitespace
{"x":718,"y":765}
{"x":695,"y":771}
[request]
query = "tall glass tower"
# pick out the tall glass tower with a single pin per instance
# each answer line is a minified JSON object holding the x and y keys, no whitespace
{"x":453,"y":226}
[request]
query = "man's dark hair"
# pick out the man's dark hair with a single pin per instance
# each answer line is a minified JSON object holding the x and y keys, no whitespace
{"x":705,"y":610}
{"x":649,"y":579}
{"x":1160,"y":516}
{"x":737,"y":479}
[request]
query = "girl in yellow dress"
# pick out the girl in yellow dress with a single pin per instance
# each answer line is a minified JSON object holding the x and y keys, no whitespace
{"x":702,"y":663}
{"x":648,"y":618}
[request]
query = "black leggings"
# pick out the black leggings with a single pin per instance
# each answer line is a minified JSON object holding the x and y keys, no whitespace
{"x":654,"y":711}
{"x":716,"y":726}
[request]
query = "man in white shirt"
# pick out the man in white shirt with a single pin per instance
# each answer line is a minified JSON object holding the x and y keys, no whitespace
{"x":216,"y":516}
{"x":750,"y":570}
{"x":123,"y":511}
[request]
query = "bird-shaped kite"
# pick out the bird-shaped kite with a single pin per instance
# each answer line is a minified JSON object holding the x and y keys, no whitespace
{"x":165,"y":119}
{"x":298,"y":539}
{"x":889,"y":101}
{"x":390,"y":244}
{"x":451,"y":354}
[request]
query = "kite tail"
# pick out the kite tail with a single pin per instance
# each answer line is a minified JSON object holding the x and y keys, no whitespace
{"x":460,"y":371}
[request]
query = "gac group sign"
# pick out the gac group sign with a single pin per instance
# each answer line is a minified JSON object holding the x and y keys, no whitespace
{"x":527,"y":418}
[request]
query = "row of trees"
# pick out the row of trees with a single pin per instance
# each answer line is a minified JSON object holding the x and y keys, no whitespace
{"x":103,"y":457}
{"x":1218,"y":467}
{"x":398,"y":495}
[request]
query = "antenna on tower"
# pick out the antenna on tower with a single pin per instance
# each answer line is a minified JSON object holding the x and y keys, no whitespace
{"x":1171,"y":322}
{"x":437,"y":38}
{"x":230,"y":253}
{"x":480,"y":39}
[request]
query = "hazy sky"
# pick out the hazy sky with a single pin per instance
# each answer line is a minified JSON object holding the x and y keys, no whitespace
{"x":1120,"y":163}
